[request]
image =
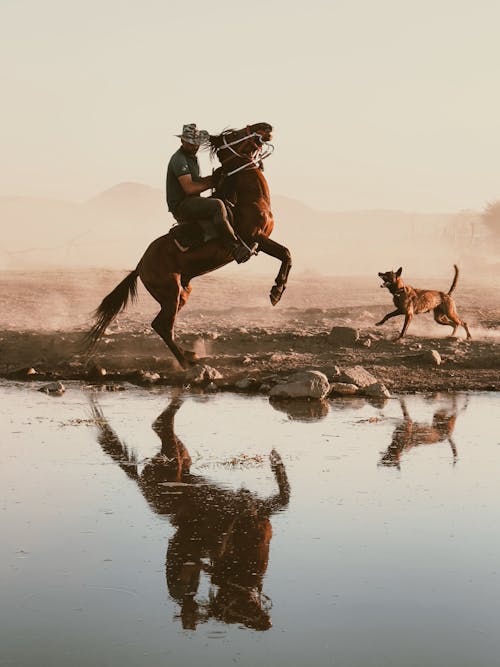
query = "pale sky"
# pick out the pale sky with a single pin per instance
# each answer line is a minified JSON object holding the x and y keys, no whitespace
{"x":375,"y":103}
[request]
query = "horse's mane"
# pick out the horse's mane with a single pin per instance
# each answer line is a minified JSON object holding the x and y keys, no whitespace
{"x":215,"y":141}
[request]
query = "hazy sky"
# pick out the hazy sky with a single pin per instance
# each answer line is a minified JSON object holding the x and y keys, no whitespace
{"x":375,"y":103}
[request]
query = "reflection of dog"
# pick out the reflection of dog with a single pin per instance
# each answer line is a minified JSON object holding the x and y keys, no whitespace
{"x":221,"y":533}
{"x":409,"y":434}
{"x":410,"y":301}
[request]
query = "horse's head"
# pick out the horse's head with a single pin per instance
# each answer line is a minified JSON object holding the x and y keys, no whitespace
{"x":250,"y":144}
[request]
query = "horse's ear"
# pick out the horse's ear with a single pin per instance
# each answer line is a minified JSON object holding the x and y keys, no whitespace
{"x":399,"y":271}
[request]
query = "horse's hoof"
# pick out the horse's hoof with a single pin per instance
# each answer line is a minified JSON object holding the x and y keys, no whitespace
{"x":276,"y":293}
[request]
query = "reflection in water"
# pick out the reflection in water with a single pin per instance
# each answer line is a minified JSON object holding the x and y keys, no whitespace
{"x":300,"y":409}
{"x":222,"y":533}
{"x":409,"y":434}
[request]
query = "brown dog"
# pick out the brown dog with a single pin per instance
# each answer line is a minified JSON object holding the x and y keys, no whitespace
{"x":410,"y":301}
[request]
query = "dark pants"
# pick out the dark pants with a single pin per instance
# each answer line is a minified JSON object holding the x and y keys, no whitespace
{"x":193,"y":209}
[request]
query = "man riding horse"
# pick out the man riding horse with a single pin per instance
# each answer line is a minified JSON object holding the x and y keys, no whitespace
{"x":166,"y":269}
{"x":185,"y":185}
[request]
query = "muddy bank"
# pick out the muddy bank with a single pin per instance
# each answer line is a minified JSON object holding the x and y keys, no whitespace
{"x":234,"y":329}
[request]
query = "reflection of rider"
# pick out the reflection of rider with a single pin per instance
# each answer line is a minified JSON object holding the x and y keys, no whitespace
{"x":222,"y":533}
{"x":185,"y":185}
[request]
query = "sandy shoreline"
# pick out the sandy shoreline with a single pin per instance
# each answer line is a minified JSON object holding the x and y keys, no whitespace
{"x":241,"y":335}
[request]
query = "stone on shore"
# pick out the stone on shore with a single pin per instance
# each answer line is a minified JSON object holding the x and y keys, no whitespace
{"x":377,"y":390}
{"x":305,"y":384}
{"x":357,"y":375}
{"x":343,"y":336}
{"x":343,"y":389}
{"x":431,"y":357}
{"x":246,"y":383}
{"x":202,"y":373}
{"x":149,"y":377}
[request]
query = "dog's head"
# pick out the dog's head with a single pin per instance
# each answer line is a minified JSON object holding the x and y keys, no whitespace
{"x":390,"y":279}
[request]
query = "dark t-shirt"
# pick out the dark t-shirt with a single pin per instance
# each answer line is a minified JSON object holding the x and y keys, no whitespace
{"x":180,"y":164}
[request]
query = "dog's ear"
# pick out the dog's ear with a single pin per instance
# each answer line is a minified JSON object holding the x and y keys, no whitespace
{"x":399,"y":271}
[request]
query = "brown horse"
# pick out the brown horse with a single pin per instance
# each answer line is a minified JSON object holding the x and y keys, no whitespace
{"x":166,"y":271}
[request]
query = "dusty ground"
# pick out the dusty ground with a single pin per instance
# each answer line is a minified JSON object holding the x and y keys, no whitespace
{"x":230,"y":322}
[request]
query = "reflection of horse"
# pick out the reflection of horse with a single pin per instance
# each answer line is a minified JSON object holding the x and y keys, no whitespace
{"x":409,"y":434}
{"x":222,"y":533}
{"x":166,"y":272}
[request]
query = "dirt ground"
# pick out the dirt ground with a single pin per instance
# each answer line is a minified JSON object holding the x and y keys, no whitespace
{"x":230,"y":322}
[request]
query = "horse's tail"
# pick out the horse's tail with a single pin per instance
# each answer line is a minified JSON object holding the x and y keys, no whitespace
{"x":110,"y":307}
{"x":454,"y":283}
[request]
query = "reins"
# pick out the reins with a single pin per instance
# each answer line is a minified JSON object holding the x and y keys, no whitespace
{"x":254,"y":160}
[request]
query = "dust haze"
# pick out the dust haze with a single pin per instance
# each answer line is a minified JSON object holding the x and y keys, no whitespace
{"x":48,"y":247}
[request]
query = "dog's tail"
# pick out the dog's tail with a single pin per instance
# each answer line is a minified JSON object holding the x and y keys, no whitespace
{"x":454,"y":283}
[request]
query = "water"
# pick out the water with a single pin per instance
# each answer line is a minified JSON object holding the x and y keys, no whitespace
{"x":370,"y":539}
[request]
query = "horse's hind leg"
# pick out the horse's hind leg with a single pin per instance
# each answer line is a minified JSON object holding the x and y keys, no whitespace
{"x":269,"y":247}
{"x":171,"y":297}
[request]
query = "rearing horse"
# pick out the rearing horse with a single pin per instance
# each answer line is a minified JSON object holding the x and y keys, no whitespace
{"x":166,"y":271}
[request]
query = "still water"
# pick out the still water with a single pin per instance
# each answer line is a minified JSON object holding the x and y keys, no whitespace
{"x":156,"y":528}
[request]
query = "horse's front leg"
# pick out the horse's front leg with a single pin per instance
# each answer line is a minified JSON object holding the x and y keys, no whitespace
{"x":269,"y":247}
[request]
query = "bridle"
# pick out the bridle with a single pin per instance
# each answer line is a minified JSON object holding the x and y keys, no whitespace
{"x":254,"y":159}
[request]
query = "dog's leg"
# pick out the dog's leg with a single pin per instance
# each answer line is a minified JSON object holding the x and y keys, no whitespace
{"x":448,"y":315}
{"x":408,"y":319}
{"x":442,"y":318}
{"x":388,"y":317}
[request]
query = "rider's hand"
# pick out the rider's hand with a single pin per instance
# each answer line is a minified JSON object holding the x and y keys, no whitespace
{"x":216,"y":177}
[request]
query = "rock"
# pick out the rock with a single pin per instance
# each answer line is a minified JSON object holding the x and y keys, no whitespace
{"x":343,"y":389}
{"x":202,"y":373}
{"x":377,"y":390}
{"x":367,"y":342}
{"x":305,"y":384}
{"x":148,"y":377}
{"x":343,"y":336}
{"x":23,"y":373}
{"x":245,"y":383}
{"x":96,"y":371}
{"x":357,"y":375}
{"x":431,"y":357}
{"x":53,"y":389}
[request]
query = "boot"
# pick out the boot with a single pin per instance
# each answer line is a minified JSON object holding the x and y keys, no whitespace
{"x":240,"y":253}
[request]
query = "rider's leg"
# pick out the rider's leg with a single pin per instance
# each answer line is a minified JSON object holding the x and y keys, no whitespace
{"x":196,"y":208}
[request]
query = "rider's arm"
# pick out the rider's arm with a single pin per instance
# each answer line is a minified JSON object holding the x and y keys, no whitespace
{"x":192,"y":187}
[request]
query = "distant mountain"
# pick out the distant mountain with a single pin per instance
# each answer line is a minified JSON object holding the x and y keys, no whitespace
{"x":113,"y":228}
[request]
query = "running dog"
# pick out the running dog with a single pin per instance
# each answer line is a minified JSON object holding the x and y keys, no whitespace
{"x":410,"y":301}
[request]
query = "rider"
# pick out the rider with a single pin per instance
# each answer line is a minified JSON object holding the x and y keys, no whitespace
{"x":185,"y":185}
